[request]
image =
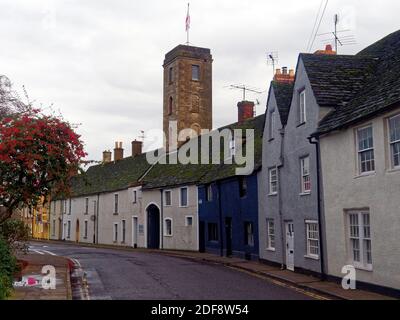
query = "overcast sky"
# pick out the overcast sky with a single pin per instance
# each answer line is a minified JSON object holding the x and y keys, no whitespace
{"x":99,"y":62}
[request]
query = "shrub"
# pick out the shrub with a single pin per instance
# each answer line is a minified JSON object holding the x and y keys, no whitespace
{"x":8,"y":266}
{"x":16,"y":233}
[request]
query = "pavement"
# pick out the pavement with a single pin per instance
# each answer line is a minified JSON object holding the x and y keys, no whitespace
{"x":306,"y":282}
{"x":28,"y":286}
{"x":110,"y":272}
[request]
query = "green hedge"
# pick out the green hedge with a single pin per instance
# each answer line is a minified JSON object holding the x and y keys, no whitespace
{"x":8,"y":266}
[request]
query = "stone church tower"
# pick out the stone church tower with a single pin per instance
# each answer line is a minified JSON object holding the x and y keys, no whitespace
{"x":187,"y":89}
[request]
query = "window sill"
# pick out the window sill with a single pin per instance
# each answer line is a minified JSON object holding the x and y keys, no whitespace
{"x":167,"y":205}
{"x":300,"y":125}
{"x":311,"y":257}
{"x":183,"y":206}
{"x":366,"y":174}
{"x":271,"y":139}
{"x":393,"y":170}
{"x":115,"y":214}
{"x":272,"y":194}
{"x":363,"y":268}
{"x":168,"y":235}
{"x":304,"y":194}
{"x":271,"y":249}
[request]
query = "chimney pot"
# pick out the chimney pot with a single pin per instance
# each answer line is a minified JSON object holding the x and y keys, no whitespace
{"x":284,"y":70}
{"x":136,"y":148}
{"x":118,"y":151}
{"x":245,"y":110}
{"x":284,"y":76}
{"x":107,"y":156}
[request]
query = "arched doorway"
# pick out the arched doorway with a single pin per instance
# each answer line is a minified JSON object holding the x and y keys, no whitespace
{"x":77,"y":231}
{"x":153,"y":227}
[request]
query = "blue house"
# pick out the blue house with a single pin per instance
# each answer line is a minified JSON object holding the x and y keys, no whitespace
{"x":228,"y":204}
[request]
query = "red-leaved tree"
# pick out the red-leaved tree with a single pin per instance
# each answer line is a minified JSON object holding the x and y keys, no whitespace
{"x":38,"y":156}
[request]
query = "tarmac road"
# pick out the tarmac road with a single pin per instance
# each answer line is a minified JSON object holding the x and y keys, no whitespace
{"x":137,"y":275}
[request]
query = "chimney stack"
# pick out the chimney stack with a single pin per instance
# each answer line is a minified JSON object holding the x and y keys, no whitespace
{"x":284,"y":76}
{"x":245,"y":110}
{"x":328,"y":50}
{"x":118,"y":151}
{"x":106,"y":156}
{"x":136,"y":148}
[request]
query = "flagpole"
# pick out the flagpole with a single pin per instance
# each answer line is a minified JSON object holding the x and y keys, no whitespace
{"x":187,"y":25}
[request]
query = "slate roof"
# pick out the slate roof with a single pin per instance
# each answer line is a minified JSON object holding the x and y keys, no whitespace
{"x":378,"y":93}
{"x":336,"y":78}
{"x":283,"y":95}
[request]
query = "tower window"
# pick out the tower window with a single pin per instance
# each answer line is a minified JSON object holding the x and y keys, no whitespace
{"x":195,"y":72}
{"x":170,"y":75}
{"x":170,"y":104}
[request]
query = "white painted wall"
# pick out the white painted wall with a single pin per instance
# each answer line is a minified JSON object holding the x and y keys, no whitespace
{"x":344,"y":189}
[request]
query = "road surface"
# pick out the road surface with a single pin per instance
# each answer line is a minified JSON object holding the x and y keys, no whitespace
{"x":137,"y":275}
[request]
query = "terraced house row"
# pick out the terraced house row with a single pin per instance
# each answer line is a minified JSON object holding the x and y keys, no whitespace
{"x":323,"y":192}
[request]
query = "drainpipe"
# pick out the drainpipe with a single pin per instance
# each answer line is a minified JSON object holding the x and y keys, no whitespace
{"x":97,"y":218}
{"x":282,"y":224}
{"x":221,"y":241}
{"x":315,"y":141}
{"x":162,"y":219}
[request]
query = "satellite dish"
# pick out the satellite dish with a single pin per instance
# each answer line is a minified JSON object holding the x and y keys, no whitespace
{"x":93,"y":218}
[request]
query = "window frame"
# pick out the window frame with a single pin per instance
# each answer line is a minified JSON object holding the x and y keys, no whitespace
{"x":68,"y":229}
{"x":303,"y":176}
{"x":170,"y":75}
{"x":180,"y":197}
{"x":115,"y":232}
{"x":195,"y":67}
{"x":216,"y":233}
{"x":123,"y":231}
{"x":361,"y":237}
{"x":116,"y":203}
{"x":249,"y":238}
{"x":360,"y":152}
{"x":271,"y":182}
{"x":302,"y":107}
{"x":186,"y":221}
{"x":86,"y":206}
{"x":85,"y":229}
{"x":392,"y":143}
{"x":171,"y":233}
{"x":271,"y":237}
{"x":209,"y":192}
{"x":310,"y":239}
{"x":243,"y":189}
{"x":165,"y":198}
{"x":272,"y":124}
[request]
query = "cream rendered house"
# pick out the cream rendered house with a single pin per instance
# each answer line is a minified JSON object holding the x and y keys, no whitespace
{"x":360,"y":165}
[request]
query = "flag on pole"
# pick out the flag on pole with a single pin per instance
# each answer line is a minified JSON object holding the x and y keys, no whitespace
{"x":187,"y":19}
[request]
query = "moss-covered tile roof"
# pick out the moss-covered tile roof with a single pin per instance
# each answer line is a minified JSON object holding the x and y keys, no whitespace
{"x":108,"y":177}
{"x":170,"y":175}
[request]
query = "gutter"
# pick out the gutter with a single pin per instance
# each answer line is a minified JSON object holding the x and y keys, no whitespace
{"x":315,"y":141}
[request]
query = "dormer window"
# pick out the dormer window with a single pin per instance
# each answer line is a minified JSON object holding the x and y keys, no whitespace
{"x":302,"y":107}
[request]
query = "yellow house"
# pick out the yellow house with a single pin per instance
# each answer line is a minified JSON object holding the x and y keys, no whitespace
{"x":38,"y":220}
